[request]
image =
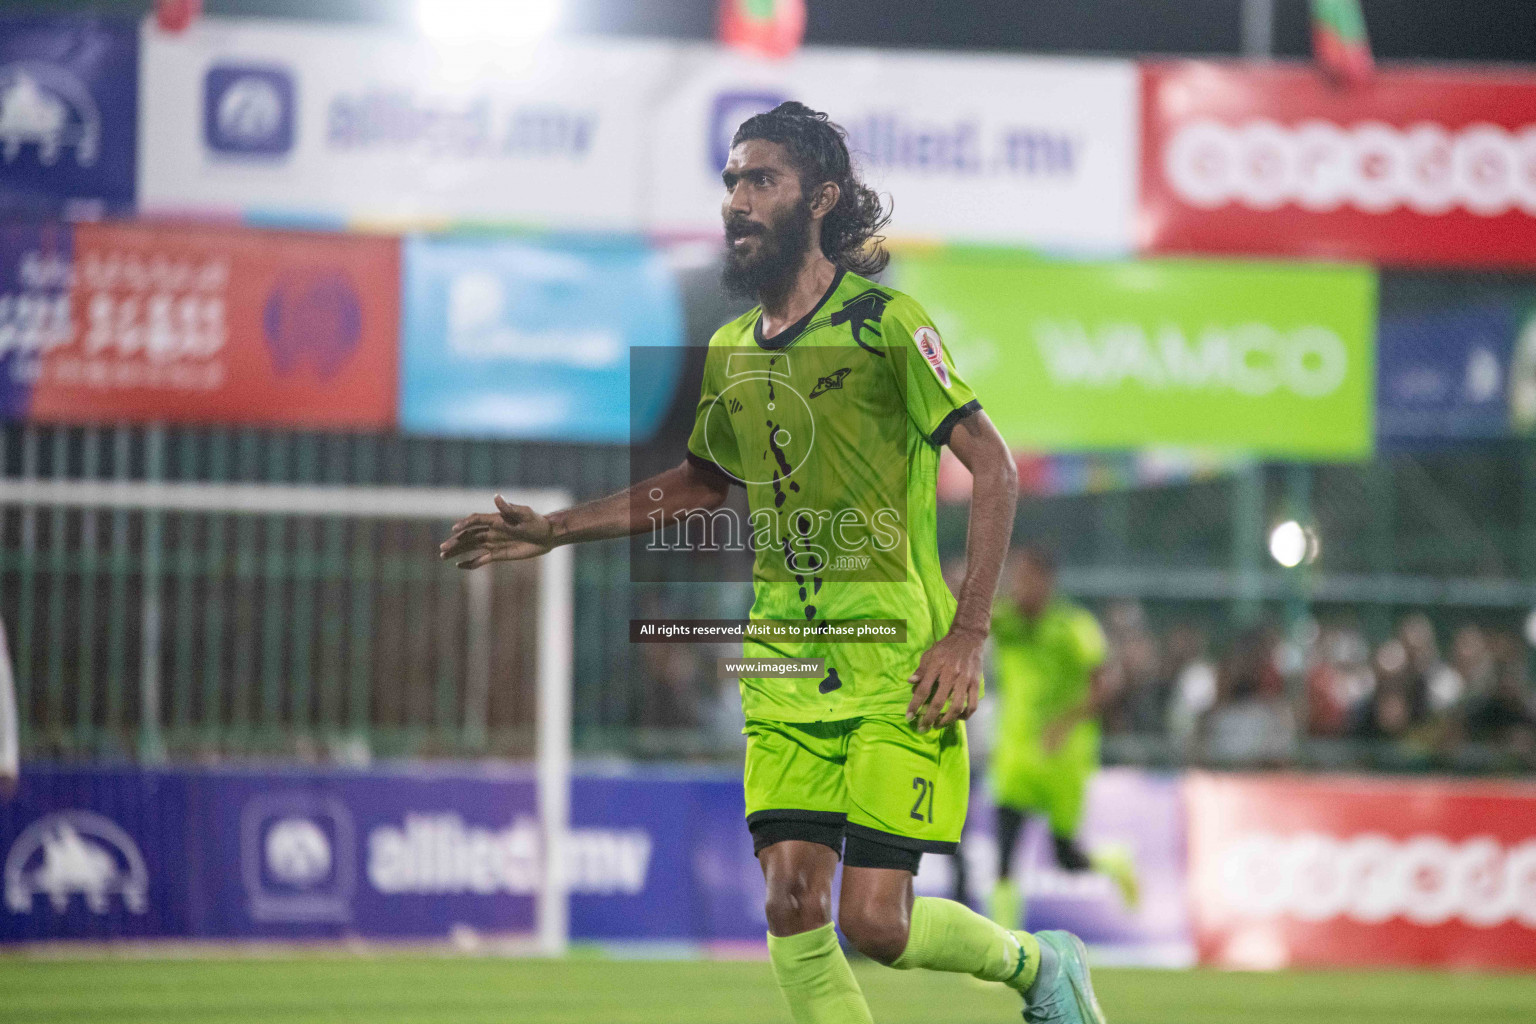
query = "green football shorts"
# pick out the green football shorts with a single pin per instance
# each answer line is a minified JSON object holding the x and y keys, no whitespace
{"x":1027,"y":779}
{"x":875,"y":778}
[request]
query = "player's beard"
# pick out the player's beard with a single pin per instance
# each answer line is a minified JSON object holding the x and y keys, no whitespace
{"x":782,"y":245}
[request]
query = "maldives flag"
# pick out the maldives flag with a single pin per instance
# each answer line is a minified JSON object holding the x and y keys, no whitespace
{"x":769,"y":28}
{"x":1339,"y":41}
{"x":175,"y":16}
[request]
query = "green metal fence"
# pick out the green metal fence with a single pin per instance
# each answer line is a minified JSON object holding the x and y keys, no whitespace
{"x":342,"y":635}
{"x":194,"y":597}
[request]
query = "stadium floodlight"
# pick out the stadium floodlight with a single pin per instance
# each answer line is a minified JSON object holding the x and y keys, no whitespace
{"x":513,"y":22}
{"x":1291,"y":544}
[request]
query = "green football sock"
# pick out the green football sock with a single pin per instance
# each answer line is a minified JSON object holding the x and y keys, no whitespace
{"x":949,"y":936}
{"x":815,"y":978}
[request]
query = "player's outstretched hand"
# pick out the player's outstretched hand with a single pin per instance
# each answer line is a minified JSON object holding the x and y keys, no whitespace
{"x":512,"y":533}
{"x":948,"y":681}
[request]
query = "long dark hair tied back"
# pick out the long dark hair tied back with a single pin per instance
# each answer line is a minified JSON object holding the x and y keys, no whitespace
{"x":850,"y":232}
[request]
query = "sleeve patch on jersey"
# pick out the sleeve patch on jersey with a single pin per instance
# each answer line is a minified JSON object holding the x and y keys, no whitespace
{"x":932,"y":348}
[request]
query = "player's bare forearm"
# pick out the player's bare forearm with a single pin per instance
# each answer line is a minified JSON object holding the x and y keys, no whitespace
{"x":994,"y":497}
{"x":516,"y":532}
{"x":682,"y":488}
{"x":948,"y":676}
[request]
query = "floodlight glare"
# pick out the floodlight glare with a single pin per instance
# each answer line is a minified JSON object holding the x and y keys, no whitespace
{"x":1288,"y":543}
{"x":500,"y":21}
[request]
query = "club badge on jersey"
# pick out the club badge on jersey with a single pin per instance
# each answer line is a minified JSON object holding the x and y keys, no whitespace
{"x":932,"y":348}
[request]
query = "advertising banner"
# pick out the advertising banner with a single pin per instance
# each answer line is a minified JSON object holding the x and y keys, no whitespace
{"x":68,"y":113}
{"x":1029,"y":151}
{"x":420,"y":853}
{"x":208,"y":325}
{"x":1135,"y":813}
{"x":1271,"y":359}
{"x":1456,"y":358}
{"x":454,"y":852}
{"x":1295,"y":871}
{"x":347,"y":121}
{"x":98,"y":854}
{"x":532,"y":339}
{"x":35,"y":268}
{"x":317,"y":854}
{"x":664,"y":855}
{"x":1414,"y":166}
{"x":1445,"y":374}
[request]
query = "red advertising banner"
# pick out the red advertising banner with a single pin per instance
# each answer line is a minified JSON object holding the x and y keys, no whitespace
{"x":225,"y":325}
{"x":1412,"y":167}
{"x":1296,"y":871}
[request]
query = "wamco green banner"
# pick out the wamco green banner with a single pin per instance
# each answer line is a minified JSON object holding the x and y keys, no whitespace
{"x":1271,"y":359}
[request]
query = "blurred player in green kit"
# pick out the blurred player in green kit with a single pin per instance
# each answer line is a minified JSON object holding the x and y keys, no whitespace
{"x":1048,"y":668}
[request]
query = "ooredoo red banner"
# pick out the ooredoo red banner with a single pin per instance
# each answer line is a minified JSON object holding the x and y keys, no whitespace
{"x":225,"y":325}
{"x":1292,"y":871}
{"x":1413,"y":167}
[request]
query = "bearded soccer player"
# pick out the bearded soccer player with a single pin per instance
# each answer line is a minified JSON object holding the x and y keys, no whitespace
{"x":1048,"y":659}
{"x":803,"y":399}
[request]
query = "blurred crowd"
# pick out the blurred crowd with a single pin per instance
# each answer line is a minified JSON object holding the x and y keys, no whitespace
{"x":1176,"y":694}
{"x":1257,"y":698}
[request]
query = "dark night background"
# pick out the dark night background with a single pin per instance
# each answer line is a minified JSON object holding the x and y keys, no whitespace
{"x":1479,"y":30}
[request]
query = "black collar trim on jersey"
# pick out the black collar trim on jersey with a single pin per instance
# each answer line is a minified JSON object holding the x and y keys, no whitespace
{"x":794,"y":330}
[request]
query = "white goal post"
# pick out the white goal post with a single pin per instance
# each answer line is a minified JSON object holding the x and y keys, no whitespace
{"x":555,"y":595}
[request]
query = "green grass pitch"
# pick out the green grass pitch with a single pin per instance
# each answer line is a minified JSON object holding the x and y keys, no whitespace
{"x":423,"y":990}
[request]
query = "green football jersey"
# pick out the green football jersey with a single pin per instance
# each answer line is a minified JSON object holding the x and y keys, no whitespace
{"x":834,"y":426}
{"x":1042,"y":668}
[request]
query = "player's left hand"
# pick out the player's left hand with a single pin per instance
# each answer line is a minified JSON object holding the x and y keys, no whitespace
{"x":948,"y":681}
{"x":511,"y":533}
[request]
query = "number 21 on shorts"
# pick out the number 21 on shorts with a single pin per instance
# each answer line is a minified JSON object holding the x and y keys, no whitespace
{"x":925,"y":788}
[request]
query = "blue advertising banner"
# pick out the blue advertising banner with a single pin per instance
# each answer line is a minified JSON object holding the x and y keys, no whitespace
{"x":701,"y":883}
{"x":97,"y":854}
{"x":418,"y":853}
{"x":454,"y":852}
{"x":531,"y":339}
{"x":35,"y":267}
{"x":1446,"y":373}
{"x":69,"y":93}
{"x":384,"y":853}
